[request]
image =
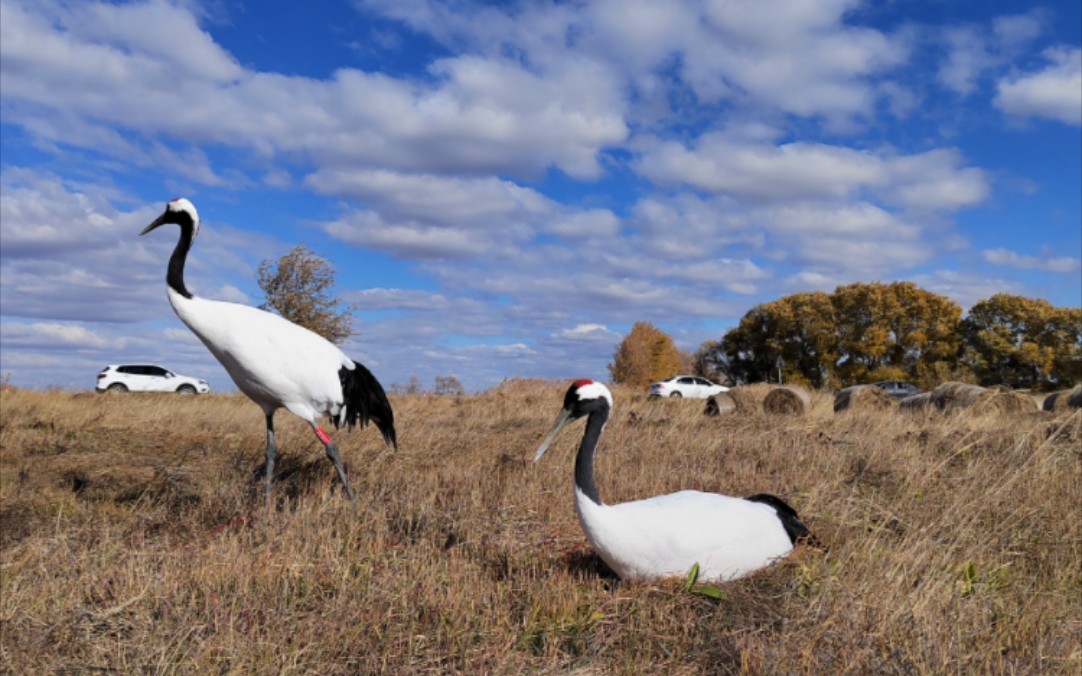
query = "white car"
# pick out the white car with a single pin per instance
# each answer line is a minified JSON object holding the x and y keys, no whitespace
{"x":147,"y":378}
{"x":693,"y":387}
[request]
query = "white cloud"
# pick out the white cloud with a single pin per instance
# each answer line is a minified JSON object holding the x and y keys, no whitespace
{"x":42,"y":217}
{"x":1005,"y":257}
{"x":799,"y":58}
{"x":966,"y":288}
{"x":583,"y":224}
{"x":68,"y":252}
{"x":59,"y":336}
{"x":737,"y":276}
{"x":396,"y":299}
{"x":586,"y":333}
{"x":407,"y":240}
{"x":967,"y":59}
{"x":1016,"y":30}
{"x":974,"y":51}
{"x":1054,"y":92}
{"x":433,"y":199}
{"x":859,"y":241}
{"x":933,"y":181}
{"x":85,"y":75}
{"x":756,"y":171}
{"x":686,"y":227}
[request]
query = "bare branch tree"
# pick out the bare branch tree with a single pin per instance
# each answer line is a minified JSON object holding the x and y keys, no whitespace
{"x":298,"y":287}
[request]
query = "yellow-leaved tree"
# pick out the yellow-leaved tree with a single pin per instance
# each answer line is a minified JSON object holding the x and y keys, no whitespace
{"x":645,"y":355}
{"x":795,"y":335}
{"x":860,"y":333}
{"x":895,"y":331}
{"x":1024,"y":342}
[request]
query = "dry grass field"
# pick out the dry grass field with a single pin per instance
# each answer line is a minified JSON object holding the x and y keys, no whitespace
{"x":134,"y":539}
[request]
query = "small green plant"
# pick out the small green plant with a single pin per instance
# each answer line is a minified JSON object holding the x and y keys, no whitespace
{"x":691,"y":585}
{"x":969,"y":579}
{"x":997,"y":579}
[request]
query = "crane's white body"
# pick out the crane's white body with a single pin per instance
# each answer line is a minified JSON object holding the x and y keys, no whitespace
{"x":665,"y":536}
{"x":275,"y":362}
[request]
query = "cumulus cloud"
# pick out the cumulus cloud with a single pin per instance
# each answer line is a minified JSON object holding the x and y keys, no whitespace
{"x":65,"y":336}
{"x":1053,"y":92}
{"x":968,"y":289}
{"x":587,"y":333}
{"x":396,"y":299}
{"x":433,"y":199}
{"x":754,"y":170}
{"x":974,"y":51}
{"x":406,"y":240}
{"x":69,"y":253}
{"x":1005,"y":257}
{"x":862,"y":240}
{"x":802,"y":59}
{"x":77,"y":81}
{"x":967,"y":59}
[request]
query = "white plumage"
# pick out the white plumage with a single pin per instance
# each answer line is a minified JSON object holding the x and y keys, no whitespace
{"x":250,"y":343}
{"x":665,"y":536}
{"x":275,"y":362}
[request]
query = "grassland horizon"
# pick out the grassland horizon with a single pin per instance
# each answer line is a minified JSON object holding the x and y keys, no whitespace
{"x":133,"y":538}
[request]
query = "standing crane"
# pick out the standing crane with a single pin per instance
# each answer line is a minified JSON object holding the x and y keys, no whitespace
{"x":277,"y":363}
{"x":665,"y":536}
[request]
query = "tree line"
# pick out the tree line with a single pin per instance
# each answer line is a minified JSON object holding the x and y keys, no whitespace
{"x":866,"y":332}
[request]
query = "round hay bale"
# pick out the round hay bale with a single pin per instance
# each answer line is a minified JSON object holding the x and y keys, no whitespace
{"x":916,"y":403}
{"x":1005,"y":400}
{"x":721,"y":402}
{"x":749,"y":398}
{"x":787,"y":400}
{"x":862,"y":398}
{"x":955,"y":396}
{"x":1064,"y":400}
{"x":1056,"y":402}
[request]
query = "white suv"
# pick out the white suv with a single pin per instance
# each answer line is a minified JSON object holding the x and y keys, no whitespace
{"x":147,"y":378}
{"x":686,"y":386}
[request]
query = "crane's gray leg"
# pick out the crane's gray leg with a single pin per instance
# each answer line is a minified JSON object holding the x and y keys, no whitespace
{"x":332,"y":453}
{"x":272,"y":450}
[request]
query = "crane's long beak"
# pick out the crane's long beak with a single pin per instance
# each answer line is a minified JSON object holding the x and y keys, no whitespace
{"x":561,"y":421}
{"x":158,"y":221}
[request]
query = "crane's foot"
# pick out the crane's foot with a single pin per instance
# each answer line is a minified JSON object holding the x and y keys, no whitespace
{"x":332,"y":453}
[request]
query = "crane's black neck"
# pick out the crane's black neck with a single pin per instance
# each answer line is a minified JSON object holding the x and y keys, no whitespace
{"x":174,"y":275}
{"x":584,"y":461}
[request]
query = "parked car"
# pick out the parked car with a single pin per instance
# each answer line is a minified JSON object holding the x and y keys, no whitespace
{"x":898,"y":389}
{"x":693,"y":387}
{"x":147,"y":378}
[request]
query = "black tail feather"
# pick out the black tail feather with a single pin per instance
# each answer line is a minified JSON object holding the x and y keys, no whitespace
{"x":365,"y":401}
{"x":794,"y":527}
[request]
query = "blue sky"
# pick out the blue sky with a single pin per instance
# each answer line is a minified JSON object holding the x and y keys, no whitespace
{"x":504,"y":188}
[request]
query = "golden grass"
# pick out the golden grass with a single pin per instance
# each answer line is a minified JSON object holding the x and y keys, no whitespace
{"x":134,"y":540}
